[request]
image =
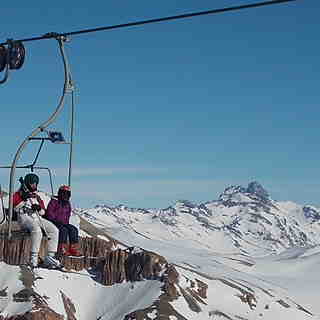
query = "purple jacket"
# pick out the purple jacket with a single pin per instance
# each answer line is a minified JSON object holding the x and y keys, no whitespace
{"x":57,"y":212}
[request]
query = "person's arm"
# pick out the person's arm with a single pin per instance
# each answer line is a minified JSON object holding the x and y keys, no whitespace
{"x":37,"y":204}
{"x":42,"y":208}
{"x":41,"y":203}
{"x":17,"y":200}
{"x":51,"y":212}
{"x":69,"y":213}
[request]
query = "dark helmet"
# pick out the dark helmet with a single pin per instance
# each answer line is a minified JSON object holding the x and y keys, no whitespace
{"x":30,"y":179}
{"x":64,"y":193}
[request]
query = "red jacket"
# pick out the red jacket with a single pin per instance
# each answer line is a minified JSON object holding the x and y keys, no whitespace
{"x":17,"y":200}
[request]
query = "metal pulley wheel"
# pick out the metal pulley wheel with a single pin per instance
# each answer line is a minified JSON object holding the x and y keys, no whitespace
{"x":17,"y":53}
{"x":3,"y":58}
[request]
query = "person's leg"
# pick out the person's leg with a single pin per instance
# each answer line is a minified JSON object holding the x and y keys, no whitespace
{"x":53,"y":234}
{"x":63,"y":238}
{"x":32,"y":225}
{"x":74,"y":248}
{"x":73,"y":233}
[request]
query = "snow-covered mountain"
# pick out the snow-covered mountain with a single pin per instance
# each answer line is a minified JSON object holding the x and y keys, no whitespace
{"x":242,"y":256}
{"x":242,"y":220}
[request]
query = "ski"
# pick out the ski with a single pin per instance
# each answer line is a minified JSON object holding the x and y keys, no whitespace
{"x":41,"y":266}
{"x":84,"y":257}
{"x":63,"y":270}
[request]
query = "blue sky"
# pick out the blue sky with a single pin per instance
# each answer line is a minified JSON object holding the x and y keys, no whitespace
{"x":174,"y":110}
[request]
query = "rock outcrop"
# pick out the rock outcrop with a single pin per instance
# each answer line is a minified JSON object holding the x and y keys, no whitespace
{"x":109,"y":263}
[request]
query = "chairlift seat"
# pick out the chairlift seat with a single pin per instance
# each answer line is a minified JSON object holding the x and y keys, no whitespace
{"x":18,"y":232}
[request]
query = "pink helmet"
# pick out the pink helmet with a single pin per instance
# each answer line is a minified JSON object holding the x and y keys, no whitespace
{"x":64,"y":193}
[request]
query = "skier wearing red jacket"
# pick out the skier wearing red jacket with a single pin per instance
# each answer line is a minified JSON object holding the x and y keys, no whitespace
{"x":30,"y":209}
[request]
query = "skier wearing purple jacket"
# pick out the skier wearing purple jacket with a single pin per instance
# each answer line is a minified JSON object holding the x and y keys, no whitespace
{"x":59,"y":212}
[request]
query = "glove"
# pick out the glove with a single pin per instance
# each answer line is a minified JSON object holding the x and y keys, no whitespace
{"x":36,"y":207}
{"x":25,"y":196}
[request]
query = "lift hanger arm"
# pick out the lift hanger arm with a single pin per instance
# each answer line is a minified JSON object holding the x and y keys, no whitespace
{"x":40,"y":128}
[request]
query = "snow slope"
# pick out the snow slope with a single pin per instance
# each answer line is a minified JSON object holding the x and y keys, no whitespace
{"x":236,"y":239}
{"x":91,"y":300}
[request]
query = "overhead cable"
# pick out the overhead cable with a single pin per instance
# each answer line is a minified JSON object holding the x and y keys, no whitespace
{"x":137,"y":23}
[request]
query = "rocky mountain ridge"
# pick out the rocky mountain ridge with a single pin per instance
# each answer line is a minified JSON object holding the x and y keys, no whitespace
{"x":246,"y":218}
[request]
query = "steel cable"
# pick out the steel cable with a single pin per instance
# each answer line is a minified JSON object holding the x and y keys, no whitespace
{"x":176,"y":17}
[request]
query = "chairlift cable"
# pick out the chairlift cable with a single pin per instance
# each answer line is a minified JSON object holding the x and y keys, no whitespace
{"x":155,"y":20}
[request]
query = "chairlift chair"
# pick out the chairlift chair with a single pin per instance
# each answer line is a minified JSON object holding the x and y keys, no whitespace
{"x":16,"y":50}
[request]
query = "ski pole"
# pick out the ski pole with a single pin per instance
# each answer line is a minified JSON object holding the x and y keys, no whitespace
{"x":41,"y":222}
{"x":42,"y":226}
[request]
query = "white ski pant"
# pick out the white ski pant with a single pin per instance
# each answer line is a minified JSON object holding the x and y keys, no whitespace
{"x":32,"y":223}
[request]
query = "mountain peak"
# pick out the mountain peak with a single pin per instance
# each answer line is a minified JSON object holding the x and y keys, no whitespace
{"x":237,"y":193}
{"x":256,"y":188}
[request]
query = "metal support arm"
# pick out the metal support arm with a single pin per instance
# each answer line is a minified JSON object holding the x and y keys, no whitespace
{"x":61,"y":40}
